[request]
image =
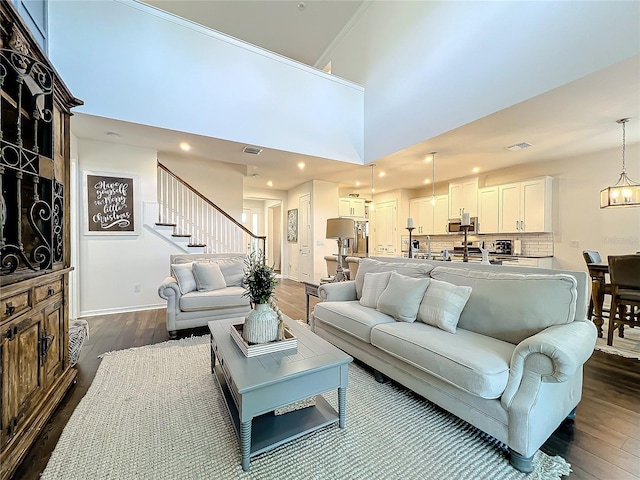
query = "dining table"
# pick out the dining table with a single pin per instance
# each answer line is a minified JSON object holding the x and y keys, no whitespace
{"x":598,"y":272}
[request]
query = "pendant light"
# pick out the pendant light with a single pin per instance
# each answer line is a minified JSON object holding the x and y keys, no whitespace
{"x":433,"y":178}
{"x":373,"y":165}
{"x":626,"y":192}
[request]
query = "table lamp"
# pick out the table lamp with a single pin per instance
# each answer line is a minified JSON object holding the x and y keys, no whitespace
{"x":340,"y":228}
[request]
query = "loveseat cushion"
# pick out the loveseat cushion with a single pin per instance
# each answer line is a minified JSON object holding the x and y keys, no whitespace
{"x":223,"y":298}
{"x":472,"y":362}
{"x":350,"y":318}
{"x":369,"y":265}
{"x":511,"y":306}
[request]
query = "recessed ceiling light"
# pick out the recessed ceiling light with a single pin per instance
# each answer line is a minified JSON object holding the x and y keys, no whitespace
{"x":357,"y":184}
{"x":381,"y":174}
{"x":475,"y":169}
{"x":518,"y":146}
{"x":113,"y":134}
{"x":185,"y":146}
{"x":428,"y":158}
{"x":252,"y":150}
{"x":427,"y":181}
{"x":301,"y":165}
{"x":269,"y":183}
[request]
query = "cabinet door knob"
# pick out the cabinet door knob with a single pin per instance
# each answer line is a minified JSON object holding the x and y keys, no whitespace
{"x":50,"y":291}
{"x":9,"y":309}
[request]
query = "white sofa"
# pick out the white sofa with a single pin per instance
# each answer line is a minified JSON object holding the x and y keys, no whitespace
{"x":189,"y":307}
{"x":513,"y":367}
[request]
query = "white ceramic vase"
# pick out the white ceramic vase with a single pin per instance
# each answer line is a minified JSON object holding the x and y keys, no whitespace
{"x":261,"y":325}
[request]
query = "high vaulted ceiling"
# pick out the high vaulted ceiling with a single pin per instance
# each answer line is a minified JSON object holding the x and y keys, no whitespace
{"x":574,"y":119}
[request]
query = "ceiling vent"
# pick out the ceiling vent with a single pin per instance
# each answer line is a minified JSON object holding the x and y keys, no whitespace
{"x":518,"y":146}
{"x":252,"y":150}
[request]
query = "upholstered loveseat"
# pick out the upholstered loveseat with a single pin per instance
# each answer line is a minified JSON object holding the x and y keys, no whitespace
{"x":202,"y":288}
{"x":513,"y":367}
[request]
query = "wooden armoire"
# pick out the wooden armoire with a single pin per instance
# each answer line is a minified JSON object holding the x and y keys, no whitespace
{"x":34,"y":239}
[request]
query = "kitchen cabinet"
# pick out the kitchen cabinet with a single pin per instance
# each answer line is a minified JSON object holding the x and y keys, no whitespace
{"x":385,"y":228}
{"x":488,"y":217}
{"x":34,"y":240}
{"x":352,"y":207}
{"x":441,"y":215}
{"x":420,"y":209}
{"x":525,"y":206}
{"x":463,"y":195}
{"x":430,"y":218}
{"x":546,"y":262}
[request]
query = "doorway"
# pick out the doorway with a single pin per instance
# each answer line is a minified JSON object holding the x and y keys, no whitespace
{"x":274,"y":236}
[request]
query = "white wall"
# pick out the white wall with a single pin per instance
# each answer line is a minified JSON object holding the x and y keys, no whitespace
{"x":109,"y":266}
{"x":450,"y":63}
{"x":131,"y":62}
{"x":325,"y":205}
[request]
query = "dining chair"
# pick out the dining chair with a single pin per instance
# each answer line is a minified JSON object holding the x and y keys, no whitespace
{"x":593,"y":256}
{"x":624,"y":271}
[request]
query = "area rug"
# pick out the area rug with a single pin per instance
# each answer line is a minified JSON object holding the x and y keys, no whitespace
{"x":155,"y":412}
{"x":629,"y":346}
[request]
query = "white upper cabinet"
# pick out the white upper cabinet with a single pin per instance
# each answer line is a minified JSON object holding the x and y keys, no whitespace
{"x":488,"y":217}
{"x":428,"y":218}
{"x":352,"y":207}
{"x":441,"y":215}
{"x":463,"y":195}
{"x":420,"y":210}
{"x":525,"y":206}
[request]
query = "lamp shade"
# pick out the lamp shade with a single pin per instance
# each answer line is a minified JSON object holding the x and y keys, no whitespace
{"x":340,"y":228}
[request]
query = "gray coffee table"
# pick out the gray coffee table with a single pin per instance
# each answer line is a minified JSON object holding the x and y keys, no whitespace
{"x":254,"y":387}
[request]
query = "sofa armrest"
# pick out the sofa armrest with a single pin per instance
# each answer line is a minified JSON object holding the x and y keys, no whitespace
{"x":553,"y":355}
{"x":169,"y":289}
{"x":338,"y":291}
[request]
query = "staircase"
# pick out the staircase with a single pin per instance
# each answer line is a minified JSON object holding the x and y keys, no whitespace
{"x":195,"y":223}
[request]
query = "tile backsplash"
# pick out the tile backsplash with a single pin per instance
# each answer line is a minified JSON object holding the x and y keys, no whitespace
{"x":533,"y":244}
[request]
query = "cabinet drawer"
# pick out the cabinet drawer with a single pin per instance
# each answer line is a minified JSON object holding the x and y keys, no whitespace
{"x":15,"y":305}
{"x":47,"y":290}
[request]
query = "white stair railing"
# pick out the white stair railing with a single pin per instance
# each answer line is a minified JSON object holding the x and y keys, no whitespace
{"x":195,"y":215}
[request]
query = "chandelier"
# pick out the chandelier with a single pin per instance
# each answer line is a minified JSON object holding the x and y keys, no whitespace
{"x":626,"y":192}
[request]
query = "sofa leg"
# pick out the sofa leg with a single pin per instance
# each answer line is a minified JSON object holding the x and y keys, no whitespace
{"x":173,"y":334}
{"x":572,"y":414}
{"x":380,"y":378}
{"x":519,"y":462}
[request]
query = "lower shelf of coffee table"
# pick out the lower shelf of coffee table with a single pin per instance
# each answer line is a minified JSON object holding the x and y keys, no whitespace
{"x":269,"y":431}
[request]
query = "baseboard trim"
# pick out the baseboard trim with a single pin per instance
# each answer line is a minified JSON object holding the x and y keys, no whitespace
{"x":109,"y":311}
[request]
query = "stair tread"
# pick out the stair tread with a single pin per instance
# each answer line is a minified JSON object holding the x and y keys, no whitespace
{"x":197,"y":245}
{"x":161,"y":224}
{"x":180,"y":234}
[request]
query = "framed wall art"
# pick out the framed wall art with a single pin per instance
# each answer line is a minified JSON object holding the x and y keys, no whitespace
{"x":110,"y":206}
{"x":292,"y":225}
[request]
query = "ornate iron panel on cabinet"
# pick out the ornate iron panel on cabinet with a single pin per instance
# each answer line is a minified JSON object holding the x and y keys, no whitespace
{"x":34,"y":230}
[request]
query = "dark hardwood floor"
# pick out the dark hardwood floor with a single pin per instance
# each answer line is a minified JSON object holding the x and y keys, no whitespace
{"x":602,"y":443}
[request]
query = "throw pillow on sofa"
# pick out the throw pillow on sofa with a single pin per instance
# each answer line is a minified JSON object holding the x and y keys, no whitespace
{"x":370,"y":265}
{"x":208,"y":277}
{"x":401,"y":299}
{"x":184,"y":275}
{"x":442,"y":305}
{"x":374,"y":285}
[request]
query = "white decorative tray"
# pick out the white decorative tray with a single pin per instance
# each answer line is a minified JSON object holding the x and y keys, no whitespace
{"x":290,"y":342}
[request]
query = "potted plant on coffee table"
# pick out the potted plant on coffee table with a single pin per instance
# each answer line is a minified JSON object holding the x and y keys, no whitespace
{"x":261,"y":324}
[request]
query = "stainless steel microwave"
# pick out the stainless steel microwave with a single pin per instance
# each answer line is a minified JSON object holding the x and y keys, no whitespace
{"x":455,"y":225}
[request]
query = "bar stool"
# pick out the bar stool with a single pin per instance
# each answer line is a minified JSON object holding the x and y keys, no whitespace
{"x":624,"y":271}
{"x":593,"y":256}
